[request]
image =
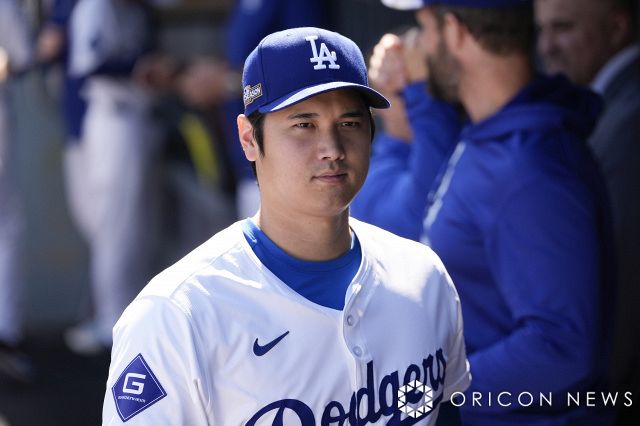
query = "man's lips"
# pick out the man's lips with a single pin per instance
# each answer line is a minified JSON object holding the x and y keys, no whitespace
{"x":336,"y":176}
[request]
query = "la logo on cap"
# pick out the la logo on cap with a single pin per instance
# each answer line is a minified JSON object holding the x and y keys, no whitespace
{"x":325,"y":55}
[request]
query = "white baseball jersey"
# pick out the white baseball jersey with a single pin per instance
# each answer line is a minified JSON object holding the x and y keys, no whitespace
{"x":217,"y":339}
{"x":105,"y":30}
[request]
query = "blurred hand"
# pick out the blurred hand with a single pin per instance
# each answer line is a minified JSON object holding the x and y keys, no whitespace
{"x":414,"y":57}
{"x":4,"y":65}
{"x":205,"y":82}
{"x":387,"y":71}
{"x":50,"y":43}
{"x":396,"y":62}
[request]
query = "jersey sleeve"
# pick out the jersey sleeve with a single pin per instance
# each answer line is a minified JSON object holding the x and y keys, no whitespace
{"x":14,"y":36}
{"x":86,"y":29}
{"x":154,"y":376}
{"x":396,"y":192}
{"x":107,"y":38}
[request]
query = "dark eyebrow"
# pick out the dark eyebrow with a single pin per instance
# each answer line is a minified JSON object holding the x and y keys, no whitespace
{"x":303,"y":115}
{"x":307,"y":115}
{"x":353,"y":114}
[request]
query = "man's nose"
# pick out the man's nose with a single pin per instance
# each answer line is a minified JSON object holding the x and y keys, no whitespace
{"x":331,"y":146}
{"x":546,"y":43}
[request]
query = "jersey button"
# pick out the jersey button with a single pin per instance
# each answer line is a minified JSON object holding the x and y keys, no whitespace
{"x":357,"y":351}
{"x":351,"y":320}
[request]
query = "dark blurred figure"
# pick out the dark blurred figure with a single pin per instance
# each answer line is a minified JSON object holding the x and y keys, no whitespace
{"x":52,"y":48}
{"x":15,"y":57}
{"x":593,"y":42}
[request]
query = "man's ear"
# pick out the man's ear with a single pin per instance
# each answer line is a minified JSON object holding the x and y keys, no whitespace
{"x":245,"y":133}
{"x":619,"y":29}
{"x":454,"y":32}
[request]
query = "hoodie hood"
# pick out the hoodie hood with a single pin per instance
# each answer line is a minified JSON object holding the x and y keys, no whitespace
{"x":546,"y":102}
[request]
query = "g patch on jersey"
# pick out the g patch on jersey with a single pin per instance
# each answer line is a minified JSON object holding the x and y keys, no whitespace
{"x":136,"y":389}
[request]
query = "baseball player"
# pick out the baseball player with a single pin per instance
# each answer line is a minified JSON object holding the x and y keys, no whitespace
{"x":300,"y":314}
{"x":15,"y":56}
{"x":109,"y":172}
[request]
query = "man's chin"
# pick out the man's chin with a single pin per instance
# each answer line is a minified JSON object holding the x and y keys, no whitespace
{"x":554,"y":67}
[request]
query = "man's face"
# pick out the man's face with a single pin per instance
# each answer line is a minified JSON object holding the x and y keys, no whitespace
{"x":444,"y":69}
{"x":316,"y":154}
{"x":572,"y":37}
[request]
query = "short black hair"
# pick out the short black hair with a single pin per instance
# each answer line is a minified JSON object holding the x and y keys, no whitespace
{"x":501,"y":31}
{"x":256,"y":119}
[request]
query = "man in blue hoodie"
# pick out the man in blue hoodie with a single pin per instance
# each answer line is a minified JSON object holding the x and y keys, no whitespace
{"x":516,"y":212}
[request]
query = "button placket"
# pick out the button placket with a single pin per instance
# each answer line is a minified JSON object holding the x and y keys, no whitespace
{"x":351,"y":320}
{"x":351,"y":329}
{"x":357,"y":351}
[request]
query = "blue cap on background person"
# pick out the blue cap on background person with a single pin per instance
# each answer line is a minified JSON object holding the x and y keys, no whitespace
{"x":290,"y":66}
{"x":481,"y":4}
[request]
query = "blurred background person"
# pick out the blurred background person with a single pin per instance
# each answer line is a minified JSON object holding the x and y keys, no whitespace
{"x":594,"y":43}
{"x":111,"y":168}
{"x":53,"y":47}
{"x":513,"y":204}
{"x":15,"y":57}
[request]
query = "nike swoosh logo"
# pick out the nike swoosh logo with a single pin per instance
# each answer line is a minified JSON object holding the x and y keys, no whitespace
{"x":260,"y":350}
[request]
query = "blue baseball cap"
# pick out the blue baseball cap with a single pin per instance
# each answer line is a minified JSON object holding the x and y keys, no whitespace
{"x":290,"y":66}
{"x":480,"y":4}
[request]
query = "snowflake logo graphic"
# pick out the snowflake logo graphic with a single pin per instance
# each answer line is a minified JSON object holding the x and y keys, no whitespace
{"x":427,"y":398}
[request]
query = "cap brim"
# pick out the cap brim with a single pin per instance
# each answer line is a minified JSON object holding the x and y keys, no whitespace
{"x":373,"y":98}
{"x":404,"y":4}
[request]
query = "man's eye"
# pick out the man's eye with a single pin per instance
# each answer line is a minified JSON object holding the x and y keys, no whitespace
{"x":350,"y":124}
{"x":563,"y":26}
{"x":303,"y":125}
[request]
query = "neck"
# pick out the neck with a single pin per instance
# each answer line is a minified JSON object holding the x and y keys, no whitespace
{"x":307,"y":238}
{"x":492,"y":82}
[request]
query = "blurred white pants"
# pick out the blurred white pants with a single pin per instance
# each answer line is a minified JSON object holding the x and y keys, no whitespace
{"x":112,"y":193}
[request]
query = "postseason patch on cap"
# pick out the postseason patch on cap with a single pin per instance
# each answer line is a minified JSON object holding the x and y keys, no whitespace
{"x":251,"y":93}
{"x":136,"y":389}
